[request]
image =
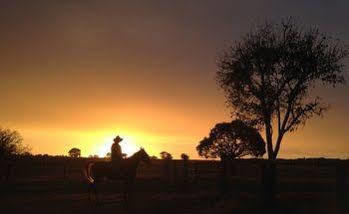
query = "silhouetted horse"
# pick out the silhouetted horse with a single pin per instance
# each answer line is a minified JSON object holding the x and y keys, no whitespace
{"x":126,"y":172}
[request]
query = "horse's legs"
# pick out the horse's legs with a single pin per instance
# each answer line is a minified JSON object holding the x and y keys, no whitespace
{"x":128,"y":188}
{"x":93,"y":187}
{"x":125,"y":192}
{"x":89,"y":191}
{"x":96,"y":192}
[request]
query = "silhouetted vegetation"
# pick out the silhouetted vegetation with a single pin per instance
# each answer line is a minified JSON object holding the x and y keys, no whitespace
{"x":153,"y":157}
{"x":268,"y":75}
{"x":108,"y":155}
{"x":185,"y":157}
{"x":11,"y":143}
{"x":75,"y":153}
{"x":165,"y":156}
{"x":232,"y":140}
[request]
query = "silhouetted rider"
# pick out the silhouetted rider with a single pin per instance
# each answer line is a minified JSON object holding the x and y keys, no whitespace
{"x":116,"y":153}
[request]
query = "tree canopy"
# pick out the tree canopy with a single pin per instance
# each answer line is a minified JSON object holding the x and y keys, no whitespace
{"x":184,"y":156}
{"x":75,"y":153}
{"x":165,"y":155}
{"x":232,"y":140}
{"x":11,"y":143}
{"x":268,"y":76}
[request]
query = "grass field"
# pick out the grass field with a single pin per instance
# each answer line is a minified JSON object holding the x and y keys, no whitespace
{"x":303,"y":186}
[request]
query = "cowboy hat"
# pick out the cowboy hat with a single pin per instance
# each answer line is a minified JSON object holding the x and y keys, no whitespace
{"x":118,"y":139}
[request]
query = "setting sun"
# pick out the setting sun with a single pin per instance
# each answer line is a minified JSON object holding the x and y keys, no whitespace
{"x":127,"y":145}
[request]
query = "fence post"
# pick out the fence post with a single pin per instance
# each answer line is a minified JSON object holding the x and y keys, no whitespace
{"x":224,"y":183}
{"x":167,"y":174}
{"x":185,"y":173}
{"x":341,"y":188}
{"x":196,"y":173}
{"x":268,"y":186}
{"x":174,"y":172}
{"x":64,"y":171}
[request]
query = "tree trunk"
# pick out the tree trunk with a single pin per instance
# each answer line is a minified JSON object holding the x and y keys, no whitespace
{"x":269,"y":138}
{"x":277,"y":146}
{"x":224,"y":179}
{"x":268,"y":186}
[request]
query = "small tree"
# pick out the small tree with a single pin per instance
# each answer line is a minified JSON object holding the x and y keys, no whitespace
{"x":153,"y":157}
{"x":93,"y":156}
{"x":11,"y":143}
{"x":232,"y":140}
{"x":165,"y":156}
{"x":74,"y":153}
{"x":267,"y":77}
{"x":185,"y":157}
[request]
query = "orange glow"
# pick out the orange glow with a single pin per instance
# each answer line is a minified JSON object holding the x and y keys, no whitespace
{"x":127,"y":145}
{"x":77,"y":76}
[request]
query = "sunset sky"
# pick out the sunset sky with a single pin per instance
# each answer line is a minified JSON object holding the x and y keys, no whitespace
{"x":76,"y":73}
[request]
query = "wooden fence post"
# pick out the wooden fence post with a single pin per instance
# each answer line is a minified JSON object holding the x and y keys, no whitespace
{"x":224,"y":182}
{"x":64,"y":171}
{"x":185,"y":174}
{"x":167,"y":170}
{"x":174,"y":172}
{"x":268,"y":186}
{"x":196,"y":173}
{"x":341,"y":188}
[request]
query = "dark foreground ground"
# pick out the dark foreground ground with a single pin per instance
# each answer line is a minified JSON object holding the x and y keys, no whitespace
{"x":43,"y":196}
{"x":51,"y":193}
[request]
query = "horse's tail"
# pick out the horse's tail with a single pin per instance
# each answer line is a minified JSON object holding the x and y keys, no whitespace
{"x":87,"y":172}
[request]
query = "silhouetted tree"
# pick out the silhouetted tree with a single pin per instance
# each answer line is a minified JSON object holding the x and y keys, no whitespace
{"x":165,"y":155}
{"x":74,"y":153}
{"x":153,"y":157}
{"x":185,"y":157}
{"x":11,"y":143}
{"x":267,"y":77}
{"x":232,"y":140}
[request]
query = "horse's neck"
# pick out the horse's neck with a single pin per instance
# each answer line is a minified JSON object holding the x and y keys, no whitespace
{"x":135,"y":158}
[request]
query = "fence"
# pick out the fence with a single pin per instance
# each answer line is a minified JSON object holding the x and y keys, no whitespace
{"x":331,"y":175}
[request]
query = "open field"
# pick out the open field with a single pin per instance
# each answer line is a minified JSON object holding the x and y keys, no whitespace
{"x":58,"y":186}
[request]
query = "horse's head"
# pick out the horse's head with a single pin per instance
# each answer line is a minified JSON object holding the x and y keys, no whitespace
{"x":144,"y":156}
